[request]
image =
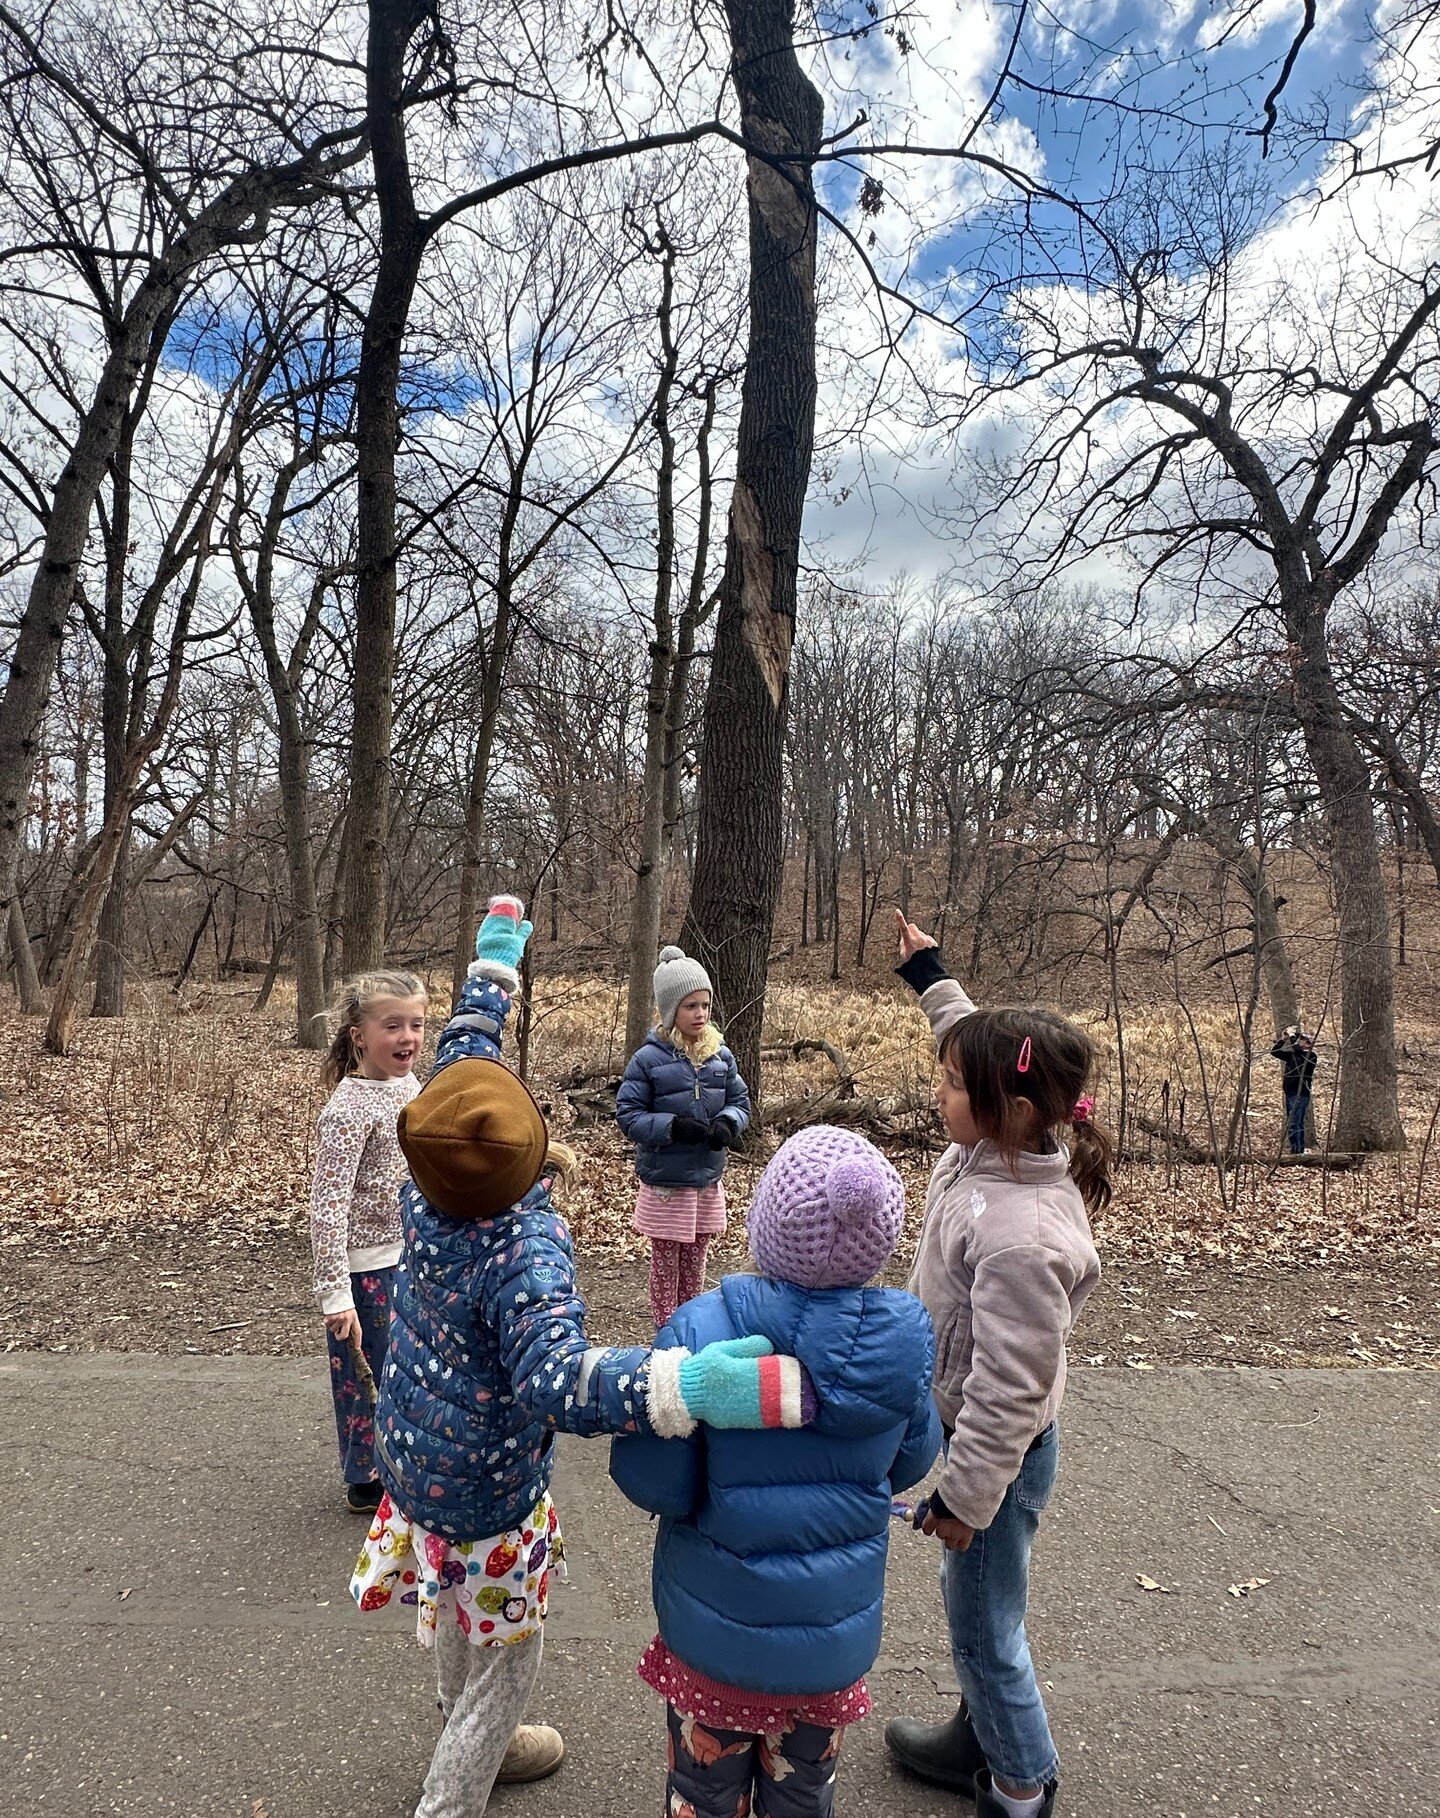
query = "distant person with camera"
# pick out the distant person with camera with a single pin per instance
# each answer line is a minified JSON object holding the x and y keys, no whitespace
{"x":1297,"y":1051}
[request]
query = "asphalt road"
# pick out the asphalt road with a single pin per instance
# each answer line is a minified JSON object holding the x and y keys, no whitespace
{"x":178,"y":1638}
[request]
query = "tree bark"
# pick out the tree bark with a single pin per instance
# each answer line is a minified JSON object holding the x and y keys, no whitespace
{"x":284,"y":676}
{"x":393,"y":24}
{"x":648,"y":901}
{"x":27,"y":978}
{"x":738,"y":857}
{"x":115,"y":720}
{"x":1367,"y":1114}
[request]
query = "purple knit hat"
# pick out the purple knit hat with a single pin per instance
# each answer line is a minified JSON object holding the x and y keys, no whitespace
{"x":827,"y":1212}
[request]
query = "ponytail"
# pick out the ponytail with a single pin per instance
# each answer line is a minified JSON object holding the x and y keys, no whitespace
{"x":1018,"y":1064}
{"x":353,"y":1001}
{"x":1092,"y":1162}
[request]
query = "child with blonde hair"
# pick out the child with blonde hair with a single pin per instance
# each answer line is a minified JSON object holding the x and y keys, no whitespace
{"x":355,"y":1200}
{"x":682,"y":1103}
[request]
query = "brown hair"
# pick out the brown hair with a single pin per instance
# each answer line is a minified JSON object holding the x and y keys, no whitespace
{"x":986,"y":1049}
{"x":353,"y":1001}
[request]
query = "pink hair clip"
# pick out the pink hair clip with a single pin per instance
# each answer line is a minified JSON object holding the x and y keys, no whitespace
{"x":1023,"y":1064}
{"x":1084,"y":1109}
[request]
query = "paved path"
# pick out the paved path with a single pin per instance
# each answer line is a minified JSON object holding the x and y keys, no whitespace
{"x":178,"y":1638}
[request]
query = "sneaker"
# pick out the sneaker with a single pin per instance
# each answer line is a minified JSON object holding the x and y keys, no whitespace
{"x":945,"y":1754}
{"x":364,"y":1498}
{"x":534,"y":1753}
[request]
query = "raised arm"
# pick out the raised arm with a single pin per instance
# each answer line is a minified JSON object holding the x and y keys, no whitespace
{"x":477,"y":1023}
{"x":923,"y":969}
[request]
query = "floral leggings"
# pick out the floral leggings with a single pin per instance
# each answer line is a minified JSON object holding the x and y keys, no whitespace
{"x":354,"y":1417}
{"x":728,"y":1774}
{"x":677,"y":1274}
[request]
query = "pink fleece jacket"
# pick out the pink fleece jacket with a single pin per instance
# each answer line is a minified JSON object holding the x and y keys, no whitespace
{"x":1005,"y":1263}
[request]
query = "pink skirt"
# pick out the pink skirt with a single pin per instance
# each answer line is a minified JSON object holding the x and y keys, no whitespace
{"x":680,"y":1214}
{"x":751,"y":1713}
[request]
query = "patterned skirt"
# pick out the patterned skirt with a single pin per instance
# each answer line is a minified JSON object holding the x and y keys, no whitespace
{"x":495,"y":1589}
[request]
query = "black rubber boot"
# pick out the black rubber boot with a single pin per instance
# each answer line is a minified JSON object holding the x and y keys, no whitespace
{"x":364,"y":1498}
{"x":945,"y":1754}
{"x":988,"y":1806}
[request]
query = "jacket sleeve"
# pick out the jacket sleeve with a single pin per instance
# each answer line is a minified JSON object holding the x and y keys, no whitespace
{"x":632,"y":1108}
{"x":920,"y":1446}
{"x":528,"y":1296}
{"x":664,"y":1476}
{"x":338,"y":1155}
{"x":477,"y":1023}
{"x":737,"y":1096}
{"x":942,"y":998}
{"x":1020,"y":1317}
{"x":1281,"y":1050}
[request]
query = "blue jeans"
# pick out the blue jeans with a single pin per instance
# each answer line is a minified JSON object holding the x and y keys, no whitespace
{"x":986,"y":1590}
{"x":1297,"y":1109}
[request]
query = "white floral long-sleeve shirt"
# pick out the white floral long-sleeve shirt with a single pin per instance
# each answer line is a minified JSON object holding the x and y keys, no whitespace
{"x":359,"y":1170}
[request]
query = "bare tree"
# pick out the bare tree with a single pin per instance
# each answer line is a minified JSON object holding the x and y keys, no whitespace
{"x":171,"y":167}
{"x":740,"y":836}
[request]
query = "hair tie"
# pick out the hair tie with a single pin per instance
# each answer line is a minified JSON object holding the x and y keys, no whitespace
{"x":1084,"y":1107}
{"x":1023,"y":1064}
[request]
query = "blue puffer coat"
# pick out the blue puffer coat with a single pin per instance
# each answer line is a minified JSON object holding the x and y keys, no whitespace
{"x":769,"y":1570}
{"x":663,"y":1083}
{"x":488,"y":1353}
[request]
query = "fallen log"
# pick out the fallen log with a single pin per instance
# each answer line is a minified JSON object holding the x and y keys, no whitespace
{"x":1337,"y":1161}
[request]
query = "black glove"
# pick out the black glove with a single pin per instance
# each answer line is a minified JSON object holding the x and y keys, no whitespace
{"x":689,"y":1130}
{"x":723,"y":1134}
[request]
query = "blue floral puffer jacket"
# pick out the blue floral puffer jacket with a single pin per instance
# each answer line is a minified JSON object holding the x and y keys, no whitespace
{"x":488,"y":1353}
{"x":663,"y":1083}
{"x":769,"y":1571}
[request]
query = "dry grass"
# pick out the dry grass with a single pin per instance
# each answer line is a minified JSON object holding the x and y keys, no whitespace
{"x":204,"y":1118}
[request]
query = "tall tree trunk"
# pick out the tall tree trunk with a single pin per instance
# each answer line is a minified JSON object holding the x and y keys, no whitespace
{"x":647,"y":905}
{"x":27,"y":978}
{"x":738,"y":858}
{"x":65,"y":1007}
{"x":304,"y":929}
{"x":115,"y":718}
{"x":1367,"y":1114}
{"x":110,"y":939}
{"x":472,"y":861}
{"x":648,"y":902}
{"x":1269,"y":942}
{"x":393,"y":24}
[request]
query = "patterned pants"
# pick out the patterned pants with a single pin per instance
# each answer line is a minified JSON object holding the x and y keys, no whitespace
{"x":727,"y":1774}
{"x":677,"y":1274}
{"x":354,"y":1418}
{"x":483,"y":1693}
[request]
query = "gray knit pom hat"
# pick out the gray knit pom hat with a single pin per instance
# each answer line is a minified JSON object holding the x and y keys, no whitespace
{"x":676,"y":977}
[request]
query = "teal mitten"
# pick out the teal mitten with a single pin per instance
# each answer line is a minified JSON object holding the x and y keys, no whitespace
{"x":741,"y":1383}
{"x":500,"y":944}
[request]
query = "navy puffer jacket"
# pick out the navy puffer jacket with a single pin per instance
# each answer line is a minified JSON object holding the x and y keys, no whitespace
{"x":663,"y":1083}
{"x":769,"y":1571}
{"x":488,"y":1353}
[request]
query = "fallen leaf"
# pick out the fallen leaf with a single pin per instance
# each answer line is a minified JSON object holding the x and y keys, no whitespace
{"x":1146,"y":1583}
{"x":125,"y":1593}
{"x":1246,"y":1586}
